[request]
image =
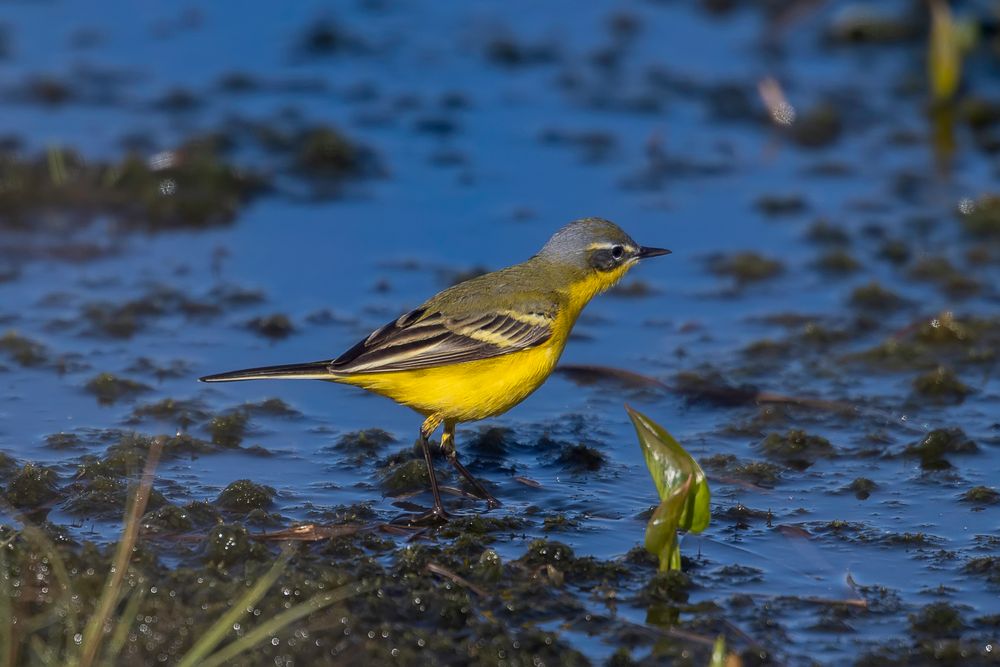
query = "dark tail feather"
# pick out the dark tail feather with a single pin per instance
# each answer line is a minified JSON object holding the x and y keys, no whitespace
{"x":315,"y":370}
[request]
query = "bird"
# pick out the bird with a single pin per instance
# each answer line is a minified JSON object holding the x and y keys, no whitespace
{"x":480,"y":347}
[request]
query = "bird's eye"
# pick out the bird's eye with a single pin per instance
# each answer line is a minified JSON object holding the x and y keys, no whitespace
{"x":617,"y":252}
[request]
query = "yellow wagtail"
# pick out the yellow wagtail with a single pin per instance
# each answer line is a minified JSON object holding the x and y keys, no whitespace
{"x":479,"y":348}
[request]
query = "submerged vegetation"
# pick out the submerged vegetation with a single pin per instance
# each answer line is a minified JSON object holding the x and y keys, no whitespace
{"x":194,"y":187}
{"x":48,"y":623}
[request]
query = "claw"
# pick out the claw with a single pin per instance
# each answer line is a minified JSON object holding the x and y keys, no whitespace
{"x":436,"y":516}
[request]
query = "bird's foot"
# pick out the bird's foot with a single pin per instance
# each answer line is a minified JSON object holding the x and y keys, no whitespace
{"x":433,"y":517}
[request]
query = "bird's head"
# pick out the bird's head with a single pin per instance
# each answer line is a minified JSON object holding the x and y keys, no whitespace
{"x":599,"y":251}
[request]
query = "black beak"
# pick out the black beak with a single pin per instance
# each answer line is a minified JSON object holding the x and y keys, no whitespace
{"x":645,"y":252}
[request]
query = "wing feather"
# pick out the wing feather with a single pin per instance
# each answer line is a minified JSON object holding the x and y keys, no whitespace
{"x":421,"y":339}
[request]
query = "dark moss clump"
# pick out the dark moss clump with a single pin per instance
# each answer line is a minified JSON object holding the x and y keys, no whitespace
{"x":492,"y":442}
{"x":737,"y":573}
{"x":938,"y":619}
{"x":943,"y":384}
{"x":180,"y":412}
{"x":360,"y":447}
{"x":817,"y":127}
{"x":480,"y":526}
{"x":622,"y":657}
{"x":32,"y":487}
{"x":940,"y":271}
{"x":862,"y":487}
{"x":633,"y":289}
{"x":979,"y":112}
{"x":932,"y":449}
{"x":580,"y":458}
{"x":118,"y":320}
{"x":63,"y":441}
{"x":842,"y":527}
{"x":543,"y":552}
{"x":741,"y":515}
{"x":894,"y":354}
{"x":178,"y":100}
{"x":202,"y":513}
{"x":638,"y":555}
{"x":109,"y":388}
{"x":559,"y":523}
{"x":797,"y":448}
{"x":746,"y":267}
{"x":988,"y":621}
{"x":824,"y":232}
{"x":7,"y":465}
{"x":404,"y":476}
{"x":946,"y":329}
{"x":713,"y":389}
{"x":766,"y":349}
{"x":870,"y":24}
{"x":837,"y":261}
{"x":128,"y":455}
{"x":245,"y":496}
{"x":364,"y":443}
{"x":775,"y":205}
{"x":760,"y":473}
{"x":275,"y":327}
{"x":98,"y":496}
{"x":667,"y":587}
{"x":325,"y":151}
{"x":325,"y":38}
{"x":227,"y":546}
{"x":984,"y":566}
{"x":819,"y":335}
{"x":981,"y":495}
{"x":613,"y":379}
{"x":894,"y":251}
{"x":509,"y":52}
{"x":875,"y":297}
{"x":194,"y":187}
{"x":122,"y":319}
{"x":185,"y":444}
{"x":270,"y":407}
{"x":228,"y":430}
{"x":23,"y":351}
{"x":983,"y":220}
{"x":904,"y":539}
{"x":557,"y":562}
{"x":171,"y":518}
{"x":46,"y":90}
{"x":437,"y":124}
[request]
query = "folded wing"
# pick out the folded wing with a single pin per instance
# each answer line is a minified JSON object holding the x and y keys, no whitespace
{"x":420,"y":339}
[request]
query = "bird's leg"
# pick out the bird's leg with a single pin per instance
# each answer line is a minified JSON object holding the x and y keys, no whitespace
{"x":426,"y":429}
{"x":448,"y":447}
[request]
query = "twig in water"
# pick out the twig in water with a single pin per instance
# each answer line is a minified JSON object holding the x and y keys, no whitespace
{"x":458,"y":579}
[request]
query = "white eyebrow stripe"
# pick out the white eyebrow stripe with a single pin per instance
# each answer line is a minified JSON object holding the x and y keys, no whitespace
{"x":608,"y":245}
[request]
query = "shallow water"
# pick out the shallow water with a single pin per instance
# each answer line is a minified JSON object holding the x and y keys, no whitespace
{"x":476,"y":184}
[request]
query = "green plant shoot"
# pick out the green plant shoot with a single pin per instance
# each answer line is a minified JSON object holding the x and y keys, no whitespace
{"x":944,"y":58}
{"x":682,"y":487}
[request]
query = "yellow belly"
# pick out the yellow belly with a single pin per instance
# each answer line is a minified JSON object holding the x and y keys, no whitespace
{"x":467,"y":391}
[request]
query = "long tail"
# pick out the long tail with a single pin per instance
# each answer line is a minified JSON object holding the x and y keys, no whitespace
{"x":314,"y":370}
